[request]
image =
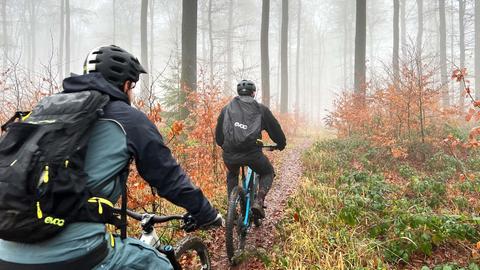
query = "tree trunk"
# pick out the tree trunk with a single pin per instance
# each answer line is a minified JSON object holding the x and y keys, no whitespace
{"x":443,"y":54}
{"x":188,"y":79}
{"x":152,"y":37}
{"x":67,"y":38}
{"x":419,"y":37}
{"x":461,"y":24}
{"x":360,"y":50}
{"x":144,"y":47}
{"x":61,"y":41}
{"x":4,"y":34}
{"x":477,"y":49}
{"x":279,"y":61}
{"x":265,"y":61}
{"x":114,"y":22}
{"x":33,"y":31}
{"x":229,"y":71}
{"x":396,"y":41}
{"x":284,"y":60}
{"x":346,"y":50}
{"x":210,"y":43}
{"x":403,"y":29}
{"x":297,"y":64}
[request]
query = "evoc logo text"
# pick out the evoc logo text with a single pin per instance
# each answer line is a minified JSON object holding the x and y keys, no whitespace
{"x":242,"y":126}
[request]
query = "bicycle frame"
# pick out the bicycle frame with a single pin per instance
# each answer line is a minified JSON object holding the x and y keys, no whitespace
{"x":248,"y":183}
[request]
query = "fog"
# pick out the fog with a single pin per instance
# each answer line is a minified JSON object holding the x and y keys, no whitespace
{"x":31,"y":39}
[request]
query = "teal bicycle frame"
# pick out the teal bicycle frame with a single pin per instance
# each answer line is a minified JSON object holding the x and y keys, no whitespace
{"x":248,"y":197}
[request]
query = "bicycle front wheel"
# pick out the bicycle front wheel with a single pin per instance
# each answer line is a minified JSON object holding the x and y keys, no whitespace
{"x":192,"y":254}
{"x":235,"y":233}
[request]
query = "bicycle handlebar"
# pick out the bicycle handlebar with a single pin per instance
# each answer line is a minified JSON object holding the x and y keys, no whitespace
{"x":270,"y":147}
{"x":154,"y":219}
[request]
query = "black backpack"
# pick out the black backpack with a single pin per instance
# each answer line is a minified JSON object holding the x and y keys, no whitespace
{"x":242,"y":125}
{"x":42,"y":181}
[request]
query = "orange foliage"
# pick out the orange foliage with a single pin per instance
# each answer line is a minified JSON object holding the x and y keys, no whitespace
{"x":394,"y":116}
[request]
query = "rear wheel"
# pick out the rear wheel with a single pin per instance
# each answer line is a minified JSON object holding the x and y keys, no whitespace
{"x":192,"y":254}
{"x":235,"y":232}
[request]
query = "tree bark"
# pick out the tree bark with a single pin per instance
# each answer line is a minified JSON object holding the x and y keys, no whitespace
{"x":396,"y":41}
{"x":477,"y":49}
{"x":265,"y":61}
{"x":284,"y":58}
{"x":152,"y":37}
{"x":403,"y":28}
{"x":443,"y":54}
{"x":297,"y":64}
{"x":210,"y":43}
{"x":144,"y":47}
{"x":188,"y":79}
{"x":360,"y":50}
{"x":228,"y":76}
{"x":67,"y":38}
{"x":4,"y":33}
{"x":61,"y":41}
{"x":461,"y":24}
{"x":419,"y":37}
{"x":33,"y":31}
{"x":114,"y":22}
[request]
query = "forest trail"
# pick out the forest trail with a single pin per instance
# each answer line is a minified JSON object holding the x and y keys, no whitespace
{"x":288,"y":167}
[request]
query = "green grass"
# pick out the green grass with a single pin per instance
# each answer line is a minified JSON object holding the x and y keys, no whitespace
{"x":350,"y":214}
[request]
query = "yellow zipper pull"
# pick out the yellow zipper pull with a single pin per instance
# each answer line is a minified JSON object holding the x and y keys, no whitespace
{"x":45,"y":174}
{"x":66,"y":163}
{"x":39,"y":211}
{"x":112,"y":240}
{"x":100,"y":208}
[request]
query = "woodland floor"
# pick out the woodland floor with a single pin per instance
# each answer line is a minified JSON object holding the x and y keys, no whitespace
{"x":288,"y":166}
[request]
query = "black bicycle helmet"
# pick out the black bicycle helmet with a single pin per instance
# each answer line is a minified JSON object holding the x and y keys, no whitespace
{"x":246,"y":88}
{"x":114,"y":63}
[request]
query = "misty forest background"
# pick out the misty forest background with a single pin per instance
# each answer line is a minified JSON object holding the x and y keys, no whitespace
{"x":378,"y":99}
{"x":53,"y":37}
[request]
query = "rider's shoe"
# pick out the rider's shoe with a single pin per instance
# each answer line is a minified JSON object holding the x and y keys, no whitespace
{"x":257,"y":208}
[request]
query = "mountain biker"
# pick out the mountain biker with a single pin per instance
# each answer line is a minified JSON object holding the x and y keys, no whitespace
{"x":122,"y":133}
{"x":250,"y":154}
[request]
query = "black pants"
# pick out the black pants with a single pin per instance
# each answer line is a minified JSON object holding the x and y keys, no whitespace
{"x":261,"y":166}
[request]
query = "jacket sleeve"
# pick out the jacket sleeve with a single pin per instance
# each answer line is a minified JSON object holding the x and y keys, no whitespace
{"x":159,"y":168}
{"x":273,"y":128}
{"x":219,"y":128}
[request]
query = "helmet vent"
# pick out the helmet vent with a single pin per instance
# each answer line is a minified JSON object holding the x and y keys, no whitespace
{"x":119,"y":59}
{"x":97,"y":52}
{"x":116,"y":69}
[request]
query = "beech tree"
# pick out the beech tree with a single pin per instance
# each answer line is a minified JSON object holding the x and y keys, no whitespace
{"x":284,"y":58}
{"x":264,"y":53}
{"x":360,"y":50}
{"x":188,"y":80}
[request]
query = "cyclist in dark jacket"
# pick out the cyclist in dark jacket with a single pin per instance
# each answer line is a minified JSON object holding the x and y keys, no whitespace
{"x":123,"y":132}
{"x":251,"y":156}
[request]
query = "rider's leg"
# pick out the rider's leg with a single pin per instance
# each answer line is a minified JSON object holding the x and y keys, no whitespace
{"x":130,"y":253}
{"x":264,"y":168}
{"x":232,"y":177}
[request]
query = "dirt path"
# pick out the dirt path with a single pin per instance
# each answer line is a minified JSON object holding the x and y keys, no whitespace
{"x":289,"y":170}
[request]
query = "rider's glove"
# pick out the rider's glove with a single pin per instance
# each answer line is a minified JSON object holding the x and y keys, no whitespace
{"x":190,"y":224}
{"x":217,"y":222}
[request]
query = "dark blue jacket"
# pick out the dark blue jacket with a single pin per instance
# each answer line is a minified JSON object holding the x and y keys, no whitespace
{"x":153,"y":158}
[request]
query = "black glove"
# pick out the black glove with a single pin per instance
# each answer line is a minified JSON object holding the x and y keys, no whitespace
{"x":190,"y":224}
{"x":281,"y":147}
